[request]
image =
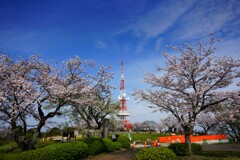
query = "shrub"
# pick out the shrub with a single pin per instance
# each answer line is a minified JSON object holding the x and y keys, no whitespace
{"x":95,"y":145}
{"x":156,"y":154}
{"x":110,"y":145}
{"x":124,"y":141}
{"x":61,"y":151}
{"x":117,"y":145}
{"x":8,"y":147}
{"x":196,"y":149}
{"x":39,"y":144}
{"x":181,"y":149}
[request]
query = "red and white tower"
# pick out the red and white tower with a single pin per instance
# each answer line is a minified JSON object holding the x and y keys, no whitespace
{"x":123,"y":113}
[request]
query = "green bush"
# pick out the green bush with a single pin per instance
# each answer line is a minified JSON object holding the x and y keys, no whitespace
{"x":196,"y":149}
{"x":9,"y":147}
{"x":60,"y":151}
{"x":124,"y":141}
{"x":117,"y":145}
{"x":95,"y":145}
{"x":110,"y":145}
{"x":40,"y":144}
{"x":181,"y":149}
{"x":155,"y":154}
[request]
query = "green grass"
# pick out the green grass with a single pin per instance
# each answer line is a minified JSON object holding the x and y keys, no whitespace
{"x":12,"y":147}
{"x":8,"y":147}
{"x":142,"y":136}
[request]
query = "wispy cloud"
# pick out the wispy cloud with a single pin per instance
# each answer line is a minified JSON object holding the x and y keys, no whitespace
{"x":229,"y":47}
{"x":179,"y":21}
{"x":154,"y":22}
{"x":206,"y":17}
{"x":159,"y":43}
{"x":158,"y":20}
{"x":101,"y":45}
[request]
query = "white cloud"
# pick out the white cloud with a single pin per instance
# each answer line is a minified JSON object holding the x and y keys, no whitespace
{"x":159,"y":19}
{"x":206,"y":17}
{"x":229,"y":47}
{"x":154,"y":22}
{"x":101,"y":45}
{"x":185,"y":23}
{"x":159,"y":43}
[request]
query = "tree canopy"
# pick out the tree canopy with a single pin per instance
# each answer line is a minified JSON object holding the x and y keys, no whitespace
{"x":32,"y":88}
{"x":192,"y":81}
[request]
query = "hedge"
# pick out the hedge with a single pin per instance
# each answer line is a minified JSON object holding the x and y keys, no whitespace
{"x":181,"y":149}
{"x":8,"y":147}
{"x":60,"y":151}
{"x":110,"y":145}
{"x":156,"y":154}
{"x":124,"y":141}
{"x":95,"y":145}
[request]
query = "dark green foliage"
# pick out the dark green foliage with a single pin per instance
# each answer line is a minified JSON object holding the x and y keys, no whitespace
{"x":181,"y":149}
{"x":196,"y":149}
{"x":9,"y":147}
{"x":54,"y":132}
{"x":39,"y":144}
{"x":110,"y":145}
{"x":60,"y":151}
{"x":124,"y":141}
{"x":117,"y":145}
{"x":96,"y":145}
{"x":156,"y":154}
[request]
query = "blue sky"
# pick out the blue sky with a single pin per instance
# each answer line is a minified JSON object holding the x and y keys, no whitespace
{"x":109,"y":31}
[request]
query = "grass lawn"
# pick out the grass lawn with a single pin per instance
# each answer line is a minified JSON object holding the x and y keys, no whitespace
{"x":142,"y":136}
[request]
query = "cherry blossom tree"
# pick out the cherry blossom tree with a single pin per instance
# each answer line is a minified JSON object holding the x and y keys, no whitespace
{"x":207,"y":121}
{"x":95,"y":112}
{"x":30,"y":88}
{"x":228,"y":116}
{"x":171,"y":122}
{"x":138,"y":126}
{"x":160,"y":126}
{"x":191,"y":82}
{"x":149,"y":125}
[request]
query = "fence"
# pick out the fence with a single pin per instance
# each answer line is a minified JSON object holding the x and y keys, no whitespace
{"x":181,"y":138}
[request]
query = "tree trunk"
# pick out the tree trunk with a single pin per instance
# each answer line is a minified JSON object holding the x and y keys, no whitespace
{"x":19,"y":136}
{"x":188,"y":141}
{"x":205,"y":131}
{"x":34,"y":139}
{"x":99,"y":125}
{"x":187,"y":133}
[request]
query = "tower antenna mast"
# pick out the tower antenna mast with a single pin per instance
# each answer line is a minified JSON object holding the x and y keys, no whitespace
{"x":123,"y":113}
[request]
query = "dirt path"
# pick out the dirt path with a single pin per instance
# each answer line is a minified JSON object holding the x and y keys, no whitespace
{"x":125,"y":154}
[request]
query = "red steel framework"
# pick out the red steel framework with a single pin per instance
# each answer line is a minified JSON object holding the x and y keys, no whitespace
{"x":123,"y":113}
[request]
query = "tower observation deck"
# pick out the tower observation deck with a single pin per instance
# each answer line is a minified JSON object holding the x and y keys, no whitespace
{"x":123,"y":113}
